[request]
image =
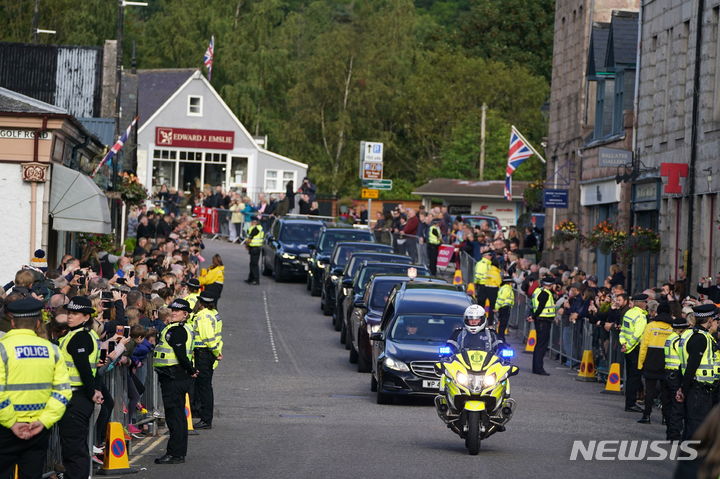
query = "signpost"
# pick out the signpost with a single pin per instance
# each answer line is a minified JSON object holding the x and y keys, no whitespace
{"x":369,"y":194}
{"x":371,"y":169}
{"x":555,"y":198}
{"x":378,"y":184}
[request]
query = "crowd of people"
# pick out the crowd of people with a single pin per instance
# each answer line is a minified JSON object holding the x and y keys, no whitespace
{"x":105,"y":314}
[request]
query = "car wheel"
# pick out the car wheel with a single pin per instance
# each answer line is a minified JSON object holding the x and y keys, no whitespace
{"x":353,"y":354}
{"x":363,"y":363}
{"x":343,"y":335}
{"x":314,"y":286}
{"x":265,"y":270}
{"x":277,"y":270}
{"x":308,"y":284}
{"x":373,"y":383}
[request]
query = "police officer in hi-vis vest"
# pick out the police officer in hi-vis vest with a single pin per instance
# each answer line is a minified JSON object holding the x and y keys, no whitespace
{"x":80,"y":348}
{"x":434,"y":240}
{"x":631,"y":330}
{"x":674,"y":417}
{"x":172,"y":361}
{"x":34,"y":391}
{"x":542,"y":314}
{"x":207,"y":347}
{"x":255,"y":239}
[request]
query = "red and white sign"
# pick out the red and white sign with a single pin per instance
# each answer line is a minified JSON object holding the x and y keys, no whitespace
{"x":372,"y":170}
{"x":445,"y":254}
{"x":185,"y":137}
{"x":673,"y":172}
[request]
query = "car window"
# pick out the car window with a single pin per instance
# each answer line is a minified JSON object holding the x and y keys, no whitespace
{"x":330,"y":238}
{"x":380,"y":293}
{"x":362,"y":277}
{"x":422,"y":327}
{"x":343,"y":253}
{"x":357,"y":262}
{"x":299,"y":233}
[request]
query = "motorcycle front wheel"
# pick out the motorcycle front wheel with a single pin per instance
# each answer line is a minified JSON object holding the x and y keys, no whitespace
{"x":472,"y":439}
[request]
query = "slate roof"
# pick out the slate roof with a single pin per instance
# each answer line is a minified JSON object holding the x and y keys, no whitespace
{"x":622,"y":42}
{"x":156,"y":86}
{"x":14,"y":102}
{"x":598,"y":48}
{"x":470,"y":188}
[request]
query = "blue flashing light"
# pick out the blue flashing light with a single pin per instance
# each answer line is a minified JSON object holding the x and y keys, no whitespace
{"x":507,"y":353}
{"x":445,"y":350}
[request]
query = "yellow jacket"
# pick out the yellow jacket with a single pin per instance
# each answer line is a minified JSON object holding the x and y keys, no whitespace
{"x":654,"y":336}
{"x":493,"y":277}
{"x":213,"y":275}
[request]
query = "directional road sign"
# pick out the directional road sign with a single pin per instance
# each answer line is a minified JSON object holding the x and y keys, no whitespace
{"x":378,"y":184}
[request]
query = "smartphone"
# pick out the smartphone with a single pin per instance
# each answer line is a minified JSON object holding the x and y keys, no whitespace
{"x":107,"y":314}
{"x":126,"y":331}
{"x":121,"y":281}
{"x":120,"y":330}
{"x":111,"y":347}
{"x":103,"y":355}
{"x":107,"y":295}
{"x":131,"y":274}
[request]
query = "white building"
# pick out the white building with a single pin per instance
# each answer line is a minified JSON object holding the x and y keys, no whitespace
{"x":189,"y":138}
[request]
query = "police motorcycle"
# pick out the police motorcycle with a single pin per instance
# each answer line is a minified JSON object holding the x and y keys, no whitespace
{"x":474,"y":399}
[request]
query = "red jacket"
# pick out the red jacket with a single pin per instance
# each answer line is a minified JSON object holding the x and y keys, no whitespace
{"x":411,"y":226}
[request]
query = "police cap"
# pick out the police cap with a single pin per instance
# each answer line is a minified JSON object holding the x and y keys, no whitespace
{"x":548,"y":280}
{"x":180,"y":304}
{"x":680,"y":323}
{"x":640,"y":297}
{"x":80,"y":304}
{"x":507,"y":279}
{"x":704,"y":312}
{"x":25,"y":308}
{"x":192,"y":283}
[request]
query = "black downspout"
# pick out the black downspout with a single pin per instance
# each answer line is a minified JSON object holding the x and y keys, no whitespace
{"x":694,"y":140}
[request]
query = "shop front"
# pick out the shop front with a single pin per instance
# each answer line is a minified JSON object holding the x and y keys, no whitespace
{"x":601,"y":200}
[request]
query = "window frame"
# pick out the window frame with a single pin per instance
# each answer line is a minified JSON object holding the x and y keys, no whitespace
{"x":190,"y":105}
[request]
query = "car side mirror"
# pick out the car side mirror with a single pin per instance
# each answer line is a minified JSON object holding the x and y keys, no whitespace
{"x":311,"y":245}
{"x":376,"y":337}
{"x":514,"y":371}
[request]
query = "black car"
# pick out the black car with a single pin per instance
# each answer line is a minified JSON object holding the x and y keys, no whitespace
{"x":285,"y":252}
{"x":367,"y":312}
{"x":320,"y":252}
{"x":362,"y":279}
{"x":338,"y":259}
{"x":346,"y":277}
{"x":418,"y":319}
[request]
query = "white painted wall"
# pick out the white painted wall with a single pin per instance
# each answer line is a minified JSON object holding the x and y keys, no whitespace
{"x":15,"y":237}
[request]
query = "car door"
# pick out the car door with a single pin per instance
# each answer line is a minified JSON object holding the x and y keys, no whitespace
{"x":378,"y":347}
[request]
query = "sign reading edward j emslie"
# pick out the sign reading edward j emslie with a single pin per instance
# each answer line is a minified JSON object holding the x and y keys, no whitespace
{"x":185,"y":137}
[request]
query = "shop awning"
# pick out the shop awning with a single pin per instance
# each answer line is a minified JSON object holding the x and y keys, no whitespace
{"x":77,"y":203}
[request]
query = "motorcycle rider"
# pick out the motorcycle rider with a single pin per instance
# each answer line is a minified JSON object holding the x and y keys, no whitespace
{"x":475,"y":335}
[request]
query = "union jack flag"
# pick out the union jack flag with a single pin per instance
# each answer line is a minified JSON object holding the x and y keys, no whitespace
{"x":115,"y":148}
{"x":209,"y":55}
{"x":520,"y":150}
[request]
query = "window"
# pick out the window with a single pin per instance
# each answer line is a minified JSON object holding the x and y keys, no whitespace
{"x":287,"y":177}
{"x":276,"y":180}
{"x":194,"y":105}
{"x":271,"y":180}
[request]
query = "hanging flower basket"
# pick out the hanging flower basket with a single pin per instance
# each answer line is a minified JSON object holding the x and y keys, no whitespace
{"x":132,"y":192}
{"x":606,"y":237}
{"x":533,"y":196}
{"x":565,"y":232}
{"x":98,"y":242}
{"x":643,"y":239}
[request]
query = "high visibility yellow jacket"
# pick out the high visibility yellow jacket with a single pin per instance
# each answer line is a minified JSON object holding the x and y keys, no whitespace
{"x":493,"y":277}
{"x":192,"y":298}
{"x":481,"y":270}
{"x":505,"y":297}
{"x":93,"y":357}
{"x":633,"y":326}
{"x":164,"y":355}
{"x":213,"y":275}
{"x":208,"y":331}
{"x":434,"y":235}
{"x":548,"y":311}
{"x":672,"y":356}
{"x":706,"y":371}
{"x":34,"y":381}
{"x":257,"y":240}
{"x":652,"y":346}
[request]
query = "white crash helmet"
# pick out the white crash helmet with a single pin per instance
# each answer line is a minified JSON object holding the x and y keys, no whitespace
{"x":475,"y":311}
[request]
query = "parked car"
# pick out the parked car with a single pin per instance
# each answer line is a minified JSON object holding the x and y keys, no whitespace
{"x":418,"y":319}
{"x":357,"y":259}
{"x":320,"y":252}
{"x":285,"y":252}
{"x":338,"y":259}
{"x":367,"y":313}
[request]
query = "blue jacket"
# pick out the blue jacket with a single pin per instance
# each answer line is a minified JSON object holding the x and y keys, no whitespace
{"x":141,"y":351}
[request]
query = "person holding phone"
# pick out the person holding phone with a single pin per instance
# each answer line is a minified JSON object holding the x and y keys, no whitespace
{"x":172,"y":361}
{"x":81,"y":353}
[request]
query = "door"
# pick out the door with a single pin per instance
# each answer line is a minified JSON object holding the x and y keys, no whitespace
{"x":604,"y":212}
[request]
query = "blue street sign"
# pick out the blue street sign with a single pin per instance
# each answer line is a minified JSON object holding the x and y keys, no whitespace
{"x":555,"y":199}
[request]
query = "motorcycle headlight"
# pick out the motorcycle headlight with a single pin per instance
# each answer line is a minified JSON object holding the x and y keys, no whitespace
{"x":489,"y":380}
{"x":462,"y":379}
{"x":395,"y":364}
{"x":289,"y":256}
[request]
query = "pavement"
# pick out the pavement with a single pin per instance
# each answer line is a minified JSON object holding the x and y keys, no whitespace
{"x":289,"y":404}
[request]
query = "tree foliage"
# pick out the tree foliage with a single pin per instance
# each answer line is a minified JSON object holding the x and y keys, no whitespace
{"x":319,"y":76}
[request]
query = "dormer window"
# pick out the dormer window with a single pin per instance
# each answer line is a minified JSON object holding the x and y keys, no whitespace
{"x":194,"y":106}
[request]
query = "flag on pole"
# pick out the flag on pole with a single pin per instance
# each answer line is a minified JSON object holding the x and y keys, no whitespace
{"x":209,"y":55}
{"x":520,"y":150}
{"x":116,"y":147}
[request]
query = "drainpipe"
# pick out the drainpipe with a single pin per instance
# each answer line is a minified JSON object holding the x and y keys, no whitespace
{"x":33,"y":186}
{"x":694,"y":138}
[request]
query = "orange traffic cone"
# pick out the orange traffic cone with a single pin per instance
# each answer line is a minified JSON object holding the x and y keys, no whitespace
{"x":612,"y":385}
{"x":587,"y":367}
{"x":457,"y":277}
{"x":531,"y":341}
{"x":471,"y":289}
{"x":116,"y":456}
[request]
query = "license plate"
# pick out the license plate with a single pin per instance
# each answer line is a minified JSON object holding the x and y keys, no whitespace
{"x":428,"y":384}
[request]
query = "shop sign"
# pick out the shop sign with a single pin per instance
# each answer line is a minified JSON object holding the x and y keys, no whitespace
{"x":190,"y":138}
{"x":24,"y":134}
{"x":673,"y":172}
{"x":614,"y":158}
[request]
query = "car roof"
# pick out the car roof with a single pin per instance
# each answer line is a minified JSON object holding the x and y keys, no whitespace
{"x":302,"y":221}
{"x":378,"y":254}
{"x":431,"y":298}
{"x":359,"y":243}
{"x":331,"y":228}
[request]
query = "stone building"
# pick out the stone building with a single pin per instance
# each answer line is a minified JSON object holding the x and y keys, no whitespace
{"x":678,"y":137}
{"x":590,"y":120}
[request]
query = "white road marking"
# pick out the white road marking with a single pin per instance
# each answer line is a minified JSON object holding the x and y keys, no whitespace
{"x":148,"y":449}
{"x":269,"y":327}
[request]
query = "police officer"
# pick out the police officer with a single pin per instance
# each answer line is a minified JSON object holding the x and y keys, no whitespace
{"x":697,"y":368}
{"x":674,"y":417}
{"x":434,"y":241}
{"x":542,"y":314}
{"x":34,"y":391}
{"x":631,"y":330}
{"x":475,"y":334}
{"x":503,"y":305}
{"x":255,"y":239}
{"x":193,"y":287}
{"x":207,"y":346}
{"x":651,"y":360}
{"x":80,"y":348}
{"x":172,"y":361}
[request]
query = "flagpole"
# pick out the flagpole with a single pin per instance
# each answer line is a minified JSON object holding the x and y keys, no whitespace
{"x":528,"y":143}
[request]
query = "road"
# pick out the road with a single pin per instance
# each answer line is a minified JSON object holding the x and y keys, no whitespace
{"x":289,"y":404}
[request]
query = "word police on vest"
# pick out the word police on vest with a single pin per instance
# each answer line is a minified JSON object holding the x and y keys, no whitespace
{"x":29,"y":352}
{"x":634,"y":450}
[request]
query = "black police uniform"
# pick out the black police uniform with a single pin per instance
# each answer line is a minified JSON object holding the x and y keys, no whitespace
{"x":254,"y":275}
{"x":542,"y":329}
